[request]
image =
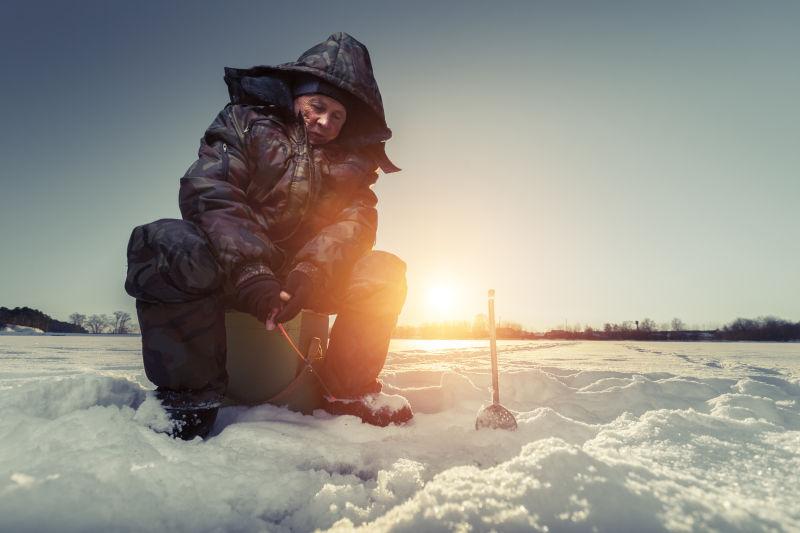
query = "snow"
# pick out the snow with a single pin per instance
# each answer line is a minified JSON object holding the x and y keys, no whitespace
{"x":381,"y":401}
{"x":14,"y":329}
{"x":612,"y":437}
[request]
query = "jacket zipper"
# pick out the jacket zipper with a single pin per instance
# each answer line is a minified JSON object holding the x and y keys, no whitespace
{"x":312,"y":191}
{"x":225,"y":161}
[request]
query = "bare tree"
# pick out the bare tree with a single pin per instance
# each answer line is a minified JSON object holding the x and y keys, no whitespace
{"x":648,"y":324}
{"x":77,"y":319}
{"x":120,"y":322}
{"x":98,"y":323}
{"x":677,"y":324}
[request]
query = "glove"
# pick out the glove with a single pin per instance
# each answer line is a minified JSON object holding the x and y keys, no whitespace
{"x":294,"y":295}
{"x":260,"y":297}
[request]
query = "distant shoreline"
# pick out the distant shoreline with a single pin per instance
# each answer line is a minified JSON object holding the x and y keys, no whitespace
{"x":59,"y":334}
{"x":106,"y":335}
{"x":600,"y":340}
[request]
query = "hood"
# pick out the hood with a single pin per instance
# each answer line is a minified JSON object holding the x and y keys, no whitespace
{"x":341,"y":60}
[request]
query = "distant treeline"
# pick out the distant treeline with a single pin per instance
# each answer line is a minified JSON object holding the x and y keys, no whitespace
{"x":119,"y":322}
{"x":767,"y":328}
{"x":761,"y":329}
{"x":742,"y":329}
{"x":25,"y":316}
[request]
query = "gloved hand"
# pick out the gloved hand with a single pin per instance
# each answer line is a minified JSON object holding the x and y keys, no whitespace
{"x":294,"y":295}
{"x":260,"y":296}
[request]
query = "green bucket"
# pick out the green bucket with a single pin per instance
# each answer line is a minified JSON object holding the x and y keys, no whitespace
{"x":263,"y":367}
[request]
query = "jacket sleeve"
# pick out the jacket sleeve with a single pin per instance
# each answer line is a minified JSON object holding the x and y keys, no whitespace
{"x":212,"y":195}
{"x":337,"y":246}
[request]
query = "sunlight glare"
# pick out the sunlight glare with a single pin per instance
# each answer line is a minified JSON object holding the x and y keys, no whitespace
{"x":441,"y":299}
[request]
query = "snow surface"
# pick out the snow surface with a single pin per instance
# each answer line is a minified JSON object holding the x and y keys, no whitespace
{"x":14,"y":329}
{"x":612,"y":437}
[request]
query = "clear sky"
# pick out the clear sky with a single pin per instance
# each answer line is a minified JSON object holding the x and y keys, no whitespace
{"x":591,"y":161}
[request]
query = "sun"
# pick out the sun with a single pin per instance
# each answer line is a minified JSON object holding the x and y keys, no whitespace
{"x":440,"y":299}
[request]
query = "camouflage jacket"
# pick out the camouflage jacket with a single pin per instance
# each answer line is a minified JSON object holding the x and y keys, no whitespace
{"x":264,"y":196}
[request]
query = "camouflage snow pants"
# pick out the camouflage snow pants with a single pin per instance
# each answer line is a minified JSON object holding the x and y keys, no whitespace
{"x":181,"y":296}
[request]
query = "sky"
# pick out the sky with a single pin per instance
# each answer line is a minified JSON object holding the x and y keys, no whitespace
{"x":592,"y":162}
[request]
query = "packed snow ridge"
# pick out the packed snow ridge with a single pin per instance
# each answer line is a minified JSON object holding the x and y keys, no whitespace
{"x":612,"y":437}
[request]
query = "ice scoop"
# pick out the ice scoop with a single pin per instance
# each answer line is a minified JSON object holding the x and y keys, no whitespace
{"x":494,"y":416}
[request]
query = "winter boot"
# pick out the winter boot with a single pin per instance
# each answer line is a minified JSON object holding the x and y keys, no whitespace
{"x":192,"y":412}
{"x":378,"y":409}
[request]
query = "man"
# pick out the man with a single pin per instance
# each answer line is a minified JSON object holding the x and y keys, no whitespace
{"x":278,"y":215}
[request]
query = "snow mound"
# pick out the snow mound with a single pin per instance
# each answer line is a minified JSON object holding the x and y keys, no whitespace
{"x":13,"y":329}
{"x":56,"y":398}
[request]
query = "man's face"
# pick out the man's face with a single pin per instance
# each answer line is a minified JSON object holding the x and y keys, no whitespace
{"x":324,"y":116}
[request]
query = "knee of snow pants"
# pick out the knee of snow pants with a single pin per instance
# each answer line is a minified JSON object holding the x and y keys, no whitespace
{"x":372,"y":299}
{"x":170,"y":261}
{"x":376,"y":285}
{"x":177,"y":284}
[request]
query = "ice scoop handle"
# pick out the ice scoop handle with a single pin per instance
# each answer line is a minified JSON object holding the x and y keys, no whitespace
{"x":493,"y":348}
